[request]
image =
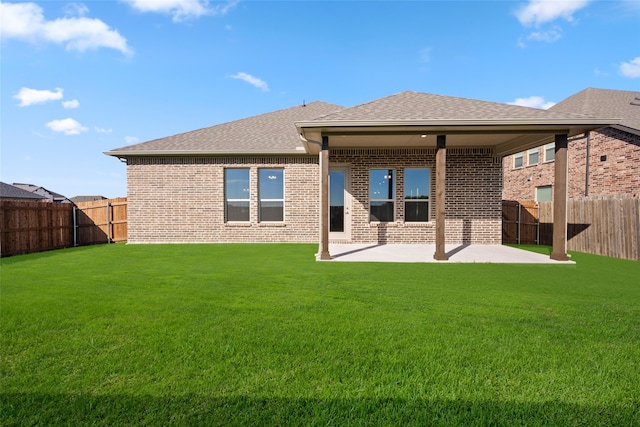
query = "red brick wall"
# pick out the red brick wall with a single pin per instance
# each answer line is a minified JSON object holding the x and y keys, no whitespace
{"x":618,"y":174}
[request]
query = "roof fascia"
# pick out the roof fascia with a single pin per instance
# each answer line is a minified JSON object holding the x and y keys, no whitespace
{"x":627,"y":129}
{"x":187,"y":153}
{"x":563,"y":122}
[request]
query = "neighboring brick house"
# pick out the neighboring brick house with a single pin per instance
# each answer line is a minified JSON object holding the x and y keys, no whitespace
{"x":408,"y":168}
{"x":602,"y":162}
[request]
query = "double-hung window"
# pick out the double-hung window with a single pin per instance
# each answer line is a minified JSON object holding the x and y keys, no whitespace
{"x":237,"y":195}
{"x":517,"y":160}
{"x":271,"y":192}
{"x":532,"y":157}
{"x":416,"y":194}
{"x":381,"y":193}
{"x":550,"y":152}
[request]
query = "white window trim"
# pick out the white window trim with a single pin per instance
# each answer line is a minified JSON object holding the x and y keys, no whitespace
{"x":529,"y":153}
{"x":546,"y":148}
{"x":518,"y":156}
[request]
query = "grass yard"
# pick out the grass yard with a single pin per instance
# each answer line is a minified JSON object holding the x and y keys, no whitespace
{"x":264,"y":335}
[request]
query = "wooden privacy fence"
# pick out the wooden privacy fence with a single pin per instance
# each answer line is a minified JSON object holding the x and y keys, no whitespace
{"x":40,"y":226}
{"x":600,"y":225}
{"x":101,"y":221}
{"x":520,"y":222}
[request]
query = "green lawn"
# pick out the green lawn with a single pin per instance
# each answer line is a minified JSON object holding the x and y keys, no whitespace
{"x":264,"y":335}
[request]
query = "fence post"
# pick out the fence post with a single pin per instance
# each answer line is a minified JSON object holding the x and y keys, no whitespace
{"x":108,"y":222}
{"x":519,"y":220}
{"x":75,"y":226}
{"x":538,"y":224}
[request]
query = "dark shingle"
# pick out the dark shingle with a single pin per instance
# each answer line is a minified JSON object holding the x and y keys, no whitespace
{"x":8,"y":191}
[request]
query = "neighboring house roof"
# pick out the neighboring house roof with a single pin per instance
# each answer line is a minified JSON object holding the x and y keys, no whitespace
{"x":79,"y":199}
{"x":8,"y":191}
{"x":605,"y":102}
{"x":47,"y":194}
{"x":270,"y":133}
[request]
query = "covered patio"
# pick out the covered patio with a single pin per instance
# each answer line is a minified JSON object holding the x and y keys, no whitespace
{"x":422,"y":253}
{"x":412,"y":121}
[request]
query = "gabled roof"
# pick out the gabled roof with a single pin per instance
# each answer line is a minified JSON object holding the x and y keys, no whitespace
{"x":605,"y":102}
{"x":270,"y":133}
{"x":412,"y":119}
{"x":418,"y":106}
{"x":57,"y":197}
{"x":8,"y":191}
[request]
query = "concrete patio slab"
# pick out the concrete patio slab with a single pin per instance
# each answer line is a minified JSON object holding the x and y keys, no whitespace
{"x":424,"y":253}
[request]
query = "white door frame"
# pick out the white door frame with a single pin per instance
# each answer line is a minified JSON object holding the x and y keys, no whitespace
{"x":346,"y":234}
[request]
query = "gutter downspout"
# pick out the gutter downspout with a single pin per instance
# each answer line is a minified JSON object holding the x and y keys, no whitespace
{"x":586,"y":135}
{"x":305,"y":140}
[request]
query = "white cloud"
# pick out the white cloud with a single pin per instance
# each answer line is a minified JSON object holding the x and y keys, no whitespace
{"x":537,"y":12}
{"x":549,"y":36}
{"x":76,"y":9}
{"x":28,"y":96}
{"x":74,"y":103}
{"x":131,"y":139}
{"x":425,"y":55}
{"x":26,"y":22}
{"x":631,"y":68}
{"x":66,"y":126}
{"x":533,"y":102}
{"x":253,"y":81}
{"x":182,"y":10}
{"x":102,"y":130}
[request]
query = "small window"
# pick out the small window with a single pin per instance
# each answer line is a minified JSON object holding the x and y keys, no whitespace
{"x":544,"y":193}
{"x":271,"y":191}
{"x":416,"y":194}
{"x":517,"y":160}
{"x":532,"y":157}
{"x":550,"y":152}
{"x":237,"y":195}
{"x":381,"y":205}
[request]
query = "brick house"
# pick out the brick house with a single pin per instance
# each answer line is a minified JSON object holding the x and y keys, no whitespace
{"x":601,"y":162}
{"x":410,"y":167}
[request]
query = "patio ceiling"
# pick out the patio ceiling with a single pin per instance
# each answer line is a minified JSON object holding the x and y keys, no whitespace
{"x":504,"y":136}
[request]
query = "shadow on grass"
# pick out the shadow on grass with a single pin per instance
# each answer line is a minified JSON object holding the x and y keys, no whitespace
{"x":70,"y":409}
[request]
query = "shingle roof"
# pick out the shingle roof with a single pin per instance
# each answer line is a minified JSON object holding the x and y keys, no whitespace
{"x":33,"y":188}
{"x":604,"y":102}
{"x":425,"y":106}
{"x":273,"y":132}
{"x":8,"y":191}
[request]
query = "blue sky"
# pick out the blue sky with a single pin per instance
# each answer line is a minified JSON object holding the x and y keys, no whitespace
{"x":81,"y":78}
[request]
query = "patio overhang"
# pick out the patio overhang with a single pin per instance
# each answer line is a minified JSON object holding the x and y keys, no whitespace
{"x":504,"y":136}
